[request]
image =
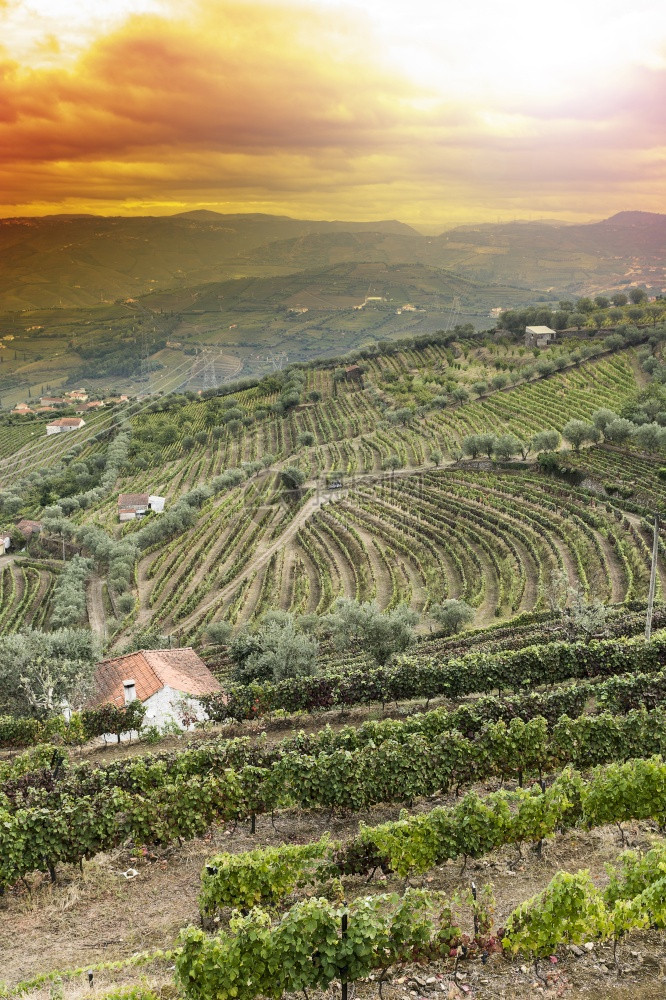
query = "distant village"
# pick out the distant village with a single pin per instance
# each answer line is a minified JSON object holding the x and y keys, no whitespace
{"x":76,"y":399}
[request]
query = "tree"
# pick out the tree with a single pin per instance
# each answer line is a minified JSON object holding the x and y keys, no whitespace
{"x":487,"y":444}
{"x":506,"y":445}
{"x":619,"y":299}
{"x":577,"y":319}
{"x":602,"y":418}
{"x":306,"y":438}
{"x":460,"y":394}
{"x":581,"y":619}
{"x":218,"y":633}
{"x":314,"y":396}
{"x":614,"y":342}
{"x":471,"y":445}
{"x":274,"y":650}
{"x":637,"y":295}
{"x":292,"y":478}
{"x":452,"y":615}
{"x":649,"y":437}
{"x":435,"y":456}
{"x":392,"y":463}
{"x":40,"y":670}
{"x":602,"y":301}
{"x":577,"y":431}
{"x":618,"y":431}
{"x":382,"y":634}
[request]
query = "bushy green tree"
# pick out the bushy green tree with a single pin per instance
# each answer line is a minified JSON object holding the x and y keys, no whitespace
{"x":292,"y":477}
{"x":506,"y":445}
{"x":602,"y":418}
{"x":40,"y":670}
{"x":545,"y":441}
{"x":576,"y":432}
{"x":381,"y":634}
{"x":218,"y":633}
{"x":452,"y":615}
{"x":275,"y":649}
{"x":618,"y":431}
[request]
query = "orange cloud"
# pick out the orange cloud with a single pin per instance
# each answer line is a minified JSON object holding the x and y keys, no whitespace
{"x":257,"y":107}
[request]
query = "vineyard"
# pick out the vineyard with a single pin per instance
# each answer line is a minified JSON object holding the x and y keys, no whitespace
{"x":535,"y":771}
{"x":25,"y":596}
{"x":492,"y":540}
{"x":479,"y":814}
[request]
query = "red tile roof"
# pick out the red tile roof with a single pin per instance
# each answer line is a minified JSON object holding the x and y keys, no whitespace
{"x":66,"y":422}
{"x":129,"y":500}
{"x":151,"y":670}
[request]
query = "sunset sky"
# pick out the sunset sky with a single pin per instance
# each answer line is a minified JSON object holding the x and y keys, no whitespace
{"x":427,"y":112}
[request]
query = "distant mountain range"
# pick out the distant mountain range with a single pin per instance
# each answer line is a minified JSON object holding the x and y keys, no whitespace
{"x":84,"y":260}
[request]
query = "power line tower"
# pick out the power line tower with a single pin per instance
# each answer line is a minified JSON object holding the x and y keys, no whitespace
{"x":278,"y":360}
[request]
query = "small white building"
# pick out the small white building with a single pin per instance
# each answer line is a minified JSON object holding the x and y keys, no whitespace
{"x":133,"y":505}
{"x":63,"y":424}
{"x":167,"y":681}
{"x":5,"y":543}
{"x":539,"y":336}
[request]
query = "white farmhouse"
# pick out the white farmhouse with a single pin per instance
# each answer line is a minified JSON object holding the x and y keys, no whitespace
{"x":65,"y":424}
{"x":133,"y":505}
{"x":165,"y":680}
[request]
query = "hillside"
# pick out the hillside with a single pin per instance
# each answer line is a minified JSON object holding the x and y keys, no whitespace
{"x":519,"y":754}
{"x":79,"y":261}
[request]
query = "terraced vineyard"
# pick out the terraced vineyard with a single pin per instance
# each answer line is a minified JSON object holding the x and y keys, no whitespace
{"x":25,"y":593}
{"x":492,"y":540}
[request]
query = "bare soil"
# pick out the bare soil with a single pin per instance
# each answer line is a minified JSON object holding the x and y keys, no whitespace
{"x":99,"y":914}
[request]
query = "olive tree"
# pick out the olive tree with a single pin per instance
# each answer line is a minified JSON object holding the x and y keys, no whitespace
{"x":276,"y":648}
{"x":40,"y":670}
{"x":452,"y":615}
{"x":381,"y":634}
{"x":576,"y":432}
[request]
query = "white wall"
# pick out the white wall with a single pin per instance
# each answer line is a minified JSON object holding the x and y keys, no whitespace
{"x":164,"y":706}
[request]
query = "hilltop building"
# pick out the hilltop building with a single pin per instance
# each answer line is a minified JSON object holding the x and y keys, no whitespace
{"x":65,"y":424}
{"x":22,"y":408}
{"x":539,"y":336}
{"x":165,"y":680}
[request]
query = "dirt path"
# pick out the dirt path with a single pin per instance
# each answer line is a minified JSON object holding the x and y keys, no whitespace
{"x":95,"y":606}
{"x":262,"y":554}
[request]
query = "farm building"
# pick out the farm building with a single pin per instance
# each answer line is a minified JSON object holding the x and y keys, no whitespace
{"x":65,"y":424}
{"x":539,"y":336}
{"x":131,"y":505}
{"x":79,"y":395}
{"x":5,"y":542}
{"x":51,"y":401}
{"x":165,"y":680}
{"x":22,"y":408}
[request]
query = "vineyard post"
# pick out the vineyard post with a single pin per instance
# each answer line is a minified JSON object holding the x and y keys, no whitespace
{"x":653,"y":577}
{"x":343,"y":982}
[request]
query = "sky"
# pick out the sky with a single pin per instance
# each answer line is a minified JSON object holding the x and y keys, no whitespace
{"x":435,"y":114}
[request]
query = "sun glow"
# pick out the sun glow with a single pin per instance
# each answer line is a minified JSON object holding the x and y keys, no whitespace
{"x":366,"y":106}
